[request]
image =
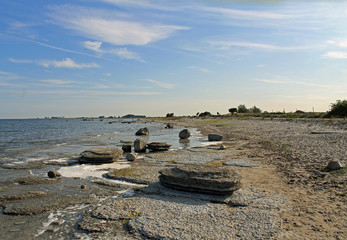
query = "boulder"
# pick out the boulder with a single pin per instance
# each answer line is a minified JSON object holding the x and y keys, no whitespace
{"x":184,"y":134}
{"x":126,"y":147}
{"x":158,"y":146}
{"x":215,"y":137}
{"x":201,"y":178}
{"x":142,"y":131}
{"x":169,"y":125}
{"x":334,"y":165}
{"x":140,"y":145}
{"x":101,"y":155}
{"x":131,"y":156}
{"x":222,"y":147}
{"x":53,"y":174}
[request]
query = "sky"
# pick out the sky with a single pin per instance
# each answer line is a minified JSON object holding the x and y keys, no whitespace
{"x":113,"y":57}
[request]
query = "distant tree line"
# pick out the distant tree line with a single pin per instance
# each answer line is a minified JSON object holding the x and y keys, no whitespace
{"x":243,"y":109}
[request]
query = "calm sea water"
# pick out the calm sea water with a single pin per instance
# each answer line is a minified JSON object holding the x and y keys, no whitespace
{"x":45,"y":139}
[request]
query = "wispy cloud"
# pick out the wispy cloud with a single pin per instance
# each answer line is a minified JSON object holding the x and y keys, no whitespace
{"x":308,"y":84}
{"x":161,"y":84}
{"x":7,"y":76}
{"x":200,"y":69}
{"x":336,"y":55}
{"x":93,"y":45}
{"x":20,"y":60}
{"x":110,"y":27}
{"x":59,"y":81}
{"x":223,"y":45}
{"x":126,"y":54}
{"x":66,"y":63}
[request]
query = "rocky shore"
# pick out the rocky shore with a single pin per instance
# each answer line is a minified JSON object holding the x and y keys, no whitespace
{"x":267,"y":182}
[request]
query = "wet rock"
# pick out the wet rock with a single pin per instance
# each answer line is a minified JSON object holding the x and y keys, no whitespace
{"x":334,"y":165}
{"x":126,"y":147}
{"x":242,"y":162}
{"x":201,"y":178}
{"x":53,"y":174}
{"x":33,"y":180}
{"x":158,"y":146}
{"x":83,"y":186}
{"x":215,"y":137}
{"x":222,"y":147}
{"x":140,"y":145}
{"x":101,"y":155}
{"x":131,"y":156}
{"x":169,"y":125}
{"x":142,"y":131}
{"x":138,"y":174}
{"x":184,"y":134}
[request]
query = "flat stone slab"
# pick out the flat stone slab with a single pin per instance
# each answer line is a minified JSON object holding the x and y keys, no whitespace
{"x":242,"y":162}
{"x":101,"y":155}
{"x":201,"y":178}
{"x":158,"y":146}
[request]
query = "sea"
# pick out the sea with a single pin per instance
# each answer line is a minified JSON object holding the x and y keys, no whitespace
{"x":29,"y":140}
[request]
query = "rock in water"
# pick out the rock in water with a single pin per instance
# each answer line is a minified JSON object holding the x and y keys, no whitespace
{"x":53,"y":174}
{"x":169,"y":125}
{"x":101,"y":155}
{"x":126,"y":147}
{"x":142,"y":131}
{"x":204,"y":179}
{"x":158,"y":146}
{"x":131,"y":156}
{"x":139,"y":145}
{"x":184,"y":134}
{"x":215,"y":137}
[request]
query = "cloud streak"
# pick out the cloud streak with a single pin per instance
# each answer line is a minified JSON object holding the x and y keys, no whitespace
{"x":335,"y":55}
{"x":294,"y":82}
{"x":161,"y":84}
{"x":66,"y":63}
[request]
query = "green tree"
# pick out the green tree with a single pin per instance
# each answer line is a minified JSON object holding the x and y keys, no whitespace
{"x":338,"y":109}
{"x":242,"y":109}
{"x":254,"y":109}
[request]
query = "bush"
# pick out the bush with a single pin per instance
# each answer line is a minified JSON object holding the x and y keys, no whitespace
{"x":242,"y":109}
{"x":338,"y":109}
{"x":205,"y":114}
{"x":232,"y":110}
{"x":169,"y":115}
{"x":254,"y":109}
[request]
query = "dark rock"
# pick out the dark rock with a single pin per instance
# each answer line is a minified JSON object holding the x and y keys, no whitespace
{"x":142,"y":131}
{"x":140,"y":145}
{"x":53,"y":174}
{"x":222,"y":147}
{"x":184,"y":134}
{"x":169,"y":125}
{"x":126,"y":147}
{"x":158,"y":146}
{"x":334,"y":165}
{"x":201,"y":178}
{"x":215,"y":137}
{"x":131,"y":156}
{"x":101,"y":155}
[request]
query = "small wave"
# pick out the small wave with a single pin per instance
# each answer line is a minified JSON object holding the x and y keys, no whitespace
{"x":60,"y":144}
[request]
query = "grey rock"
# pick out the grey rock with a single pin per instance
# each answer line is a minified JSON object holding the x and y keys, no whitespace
{"x":126,"y":147}
{"x":158,"y":146}
{"x":101,"y":155}
{"x":334,"y":165}
{"x":53,"y":174}
{"x":142,"y":131}
{"x":215,"y":137}
{"x":222,"y":147}
{"x":242,"y":162}
{"x":131,"y":156}
{"x":169,"y":125}
{"x":140,"y":145}
{"x":201,"y":178}
{"x":184,"y":134}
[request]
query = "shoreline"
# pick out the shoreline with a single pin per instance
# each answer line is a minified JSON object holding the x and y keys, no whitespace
{"x":294,"y":201}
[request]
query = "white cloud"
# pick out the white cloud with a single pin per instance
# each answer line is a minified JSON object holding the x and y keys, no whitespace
{"x":95,"y":46}
{"x":59,"y":81}
{"x":199,"y":68}
{"x":109,"y":27}
{"x":67,"y":63}
{"x":126,"y":54}
{"x":342,"y":44}
{"x":20,"y":60}
{"x":271,"y":81}
{"x":308,"y":84}
{"x":228,"y":44}
{"x":161,"y":84}
{"x":336,"y":55}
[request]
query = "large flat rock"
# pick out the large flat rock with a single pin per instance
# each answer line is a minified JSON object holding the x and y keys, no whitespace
{"x":101,"y":155}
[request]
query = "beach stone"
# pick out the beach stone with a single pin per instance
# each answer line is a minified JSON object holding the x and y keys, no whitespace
{"x":201,"y":178}
{"x":139,"y":145}
{"x":101,"y":155}
{"x":215,"y":137}
{"x":334,"y":165}
{"x":242,"y":162}
{"x":142,"y":131}
{"x":53,"y":174}
{"x":158,"y":146}
{"x":126,"y":147}
{"x":184,"y":134}
{"x":169,"y":125}
{"x":131,"y":156}
{"x":222,"y":147}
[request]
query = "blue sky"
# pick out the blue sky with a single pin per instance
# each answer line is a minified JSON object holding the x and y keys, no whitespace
{"x":113,"y":57}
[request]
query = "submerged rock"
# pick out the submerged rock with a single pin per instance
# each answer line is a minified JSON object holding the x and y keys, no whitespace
{"x":184,"y":134}
{"x":169,"y":125}
{"x":131,"y":156}
{"x":53,"y":174}
{"x":101,"y":155}
{"x":139,"y":145}
{"x":204,"y":179}
{"x":142,"y":131}
{"x":158,"y":146}
{"x":215,"y":137}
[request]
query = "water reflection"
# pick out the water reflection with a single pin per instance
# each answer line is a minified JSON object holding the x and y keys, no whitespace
{"x":184,"y":143}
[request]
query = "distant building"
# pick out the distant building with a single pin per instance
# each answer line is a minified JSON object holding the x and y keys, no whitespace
{"x":133,"y":116}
